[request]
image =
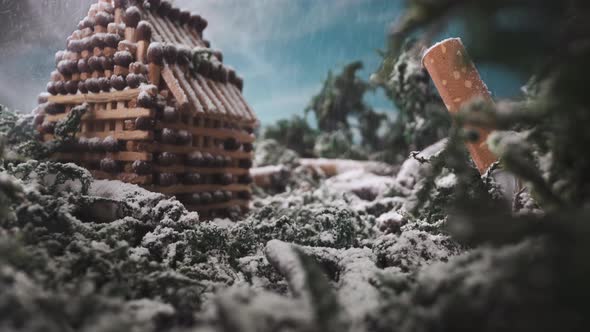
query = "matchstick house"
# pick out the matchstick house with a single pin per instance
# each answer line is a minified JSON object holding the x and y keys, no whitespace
{"x":156,"y":106}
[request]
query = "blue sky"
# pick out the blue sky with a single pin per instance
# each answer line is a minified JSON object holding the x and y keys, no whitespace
{"x":283,"y":48}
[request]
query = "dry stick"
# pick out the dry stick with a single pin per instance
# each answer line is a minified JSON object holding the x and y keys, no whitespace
{"x":459,"y":83}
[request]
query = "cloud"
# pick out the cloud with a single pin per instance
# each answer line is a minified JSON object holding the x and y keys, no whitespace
{"x":252,"y":22}
{"x":248,"y":30}
{"x":281,"y":47}
{"x":33,"y":30}
{"x":245,"y":28}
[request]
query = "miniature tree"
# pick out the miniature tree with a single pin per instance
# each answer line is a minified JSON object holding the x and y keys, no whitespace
{"x":295,"y":134}
{"x":422,"y":118}
{"x":341,"y":97}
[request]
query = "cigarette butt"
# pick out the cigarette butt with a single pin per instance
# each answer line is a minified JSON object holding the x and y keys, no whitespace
{"x":458,"y":82}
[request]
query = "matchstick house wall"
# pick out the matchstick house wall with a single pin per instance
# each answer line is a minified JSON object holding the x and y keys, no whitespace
{"x":159,"y":107}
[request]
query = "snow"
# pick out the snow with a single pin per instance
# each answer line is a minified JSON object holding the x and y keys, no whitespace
{"x":412,"y":169}
{"x":356,"y":282}
{"x":391,"y":216}
{"x":137,"y":254}
{"x":507,"y":183}
{"x":146,"y":310}
{"x":251,"y":275}
{"x":133,"y":196}
{"x":365,"y":185}
{"x":446,"y":182}
{"x":100,"y":246}
{"x":284,"y":258}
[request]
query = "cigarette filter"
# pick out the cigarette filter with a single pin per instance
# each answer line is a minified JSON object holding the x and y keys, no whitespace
{"x":458,"y":82}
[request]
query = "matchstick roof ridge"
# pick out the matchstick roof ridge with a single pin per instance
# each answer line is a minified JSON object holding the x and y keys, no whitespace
{"x":193,"y":67}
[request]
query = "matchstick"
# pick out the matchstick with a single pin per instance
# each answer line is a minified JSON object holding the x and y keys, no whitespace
{"x":155,"y":59}
{"x":131,"y":19}
{"x":143,"y":35}
{"x":458,"y":83}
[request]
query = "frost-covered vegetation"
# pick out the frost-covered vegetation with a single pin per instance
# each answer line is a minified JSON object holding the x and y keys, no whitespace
{"x":341,"y":112}
{"x":91,"y":255}
{"x":434,"y":247}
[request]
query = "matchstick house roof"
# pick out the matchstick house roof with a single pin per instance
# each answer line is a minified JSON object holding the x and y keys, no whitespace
{"x":108,"y":40}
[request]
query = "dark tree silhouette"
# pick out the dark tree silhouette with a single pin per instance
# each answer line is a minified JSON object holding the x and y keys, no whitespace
{"x":341,"y":97}
{"x":295,"y":133}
